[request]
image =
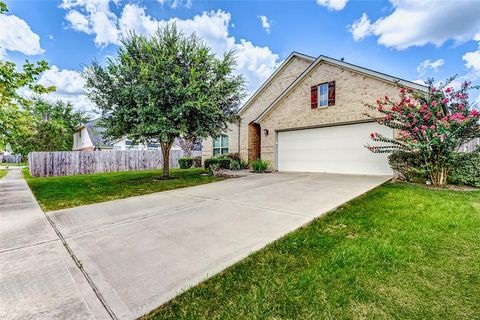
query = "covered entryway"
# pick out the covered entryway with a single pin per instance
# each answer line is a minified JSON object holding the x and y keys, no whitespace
{"x":335,"y":149}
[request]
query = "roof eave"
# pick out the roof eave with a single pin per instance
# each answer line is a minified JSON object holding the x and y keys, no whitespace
{"x":272,"y":76}
{"x":369,"y":72}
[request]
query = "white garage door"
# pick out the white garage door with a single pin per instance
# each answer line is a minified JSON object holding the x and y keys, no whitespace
{"x":338,"y":149}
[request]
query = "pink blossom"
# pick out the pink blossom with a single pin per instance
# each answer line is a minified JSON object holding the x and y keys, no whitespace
{"x":444,"y":100}
{"x":448,"y":90}
{"x":372,"y":135}
{"x":475,"y":113}
{"x":424,"y":128}
{"x":407,"y":100}
{"x":386,"y":98}
{"x":380,"y":108}
{"x":416,"y":129}
{"x":434,"y":103}
{"x":432,"y":127}
{"x":459,"y":96}
{"x":402,"y":90}
{"x":395,"y":109}
{"x":460,"y":106}
{"x":434,"y":90}
{"x":414,"y":140}
{"x":388,"y":117}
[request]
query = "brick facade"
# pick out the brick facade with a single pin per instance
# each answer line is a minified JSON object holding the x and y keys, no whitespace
{"x":353,"y":89}
{"x":279,"y":83}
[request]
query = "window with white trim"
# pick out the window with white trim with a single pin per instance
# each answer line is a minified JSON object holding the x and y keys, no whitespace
{"x":220,"y":145}
{"x":323,"y":95}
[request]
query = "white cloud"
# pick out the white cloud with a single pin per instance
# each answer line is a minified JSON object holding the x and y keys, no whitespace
{"x":181,"y":3}
{"x":420,"y":81}
{"x":93,"y":17}
{"x":78,"y":21}
{"x":254,"y":62}
{"x":473,"y":60}
{"x":361,"y":28}
{"x":18,"y":37}
{"x":424,"y":66}
{"x":333,"y":4}
{"x":69,"y":84}
{"x":66,"y":81}
{"x":265,"y":23}
{"x":419,"y":22}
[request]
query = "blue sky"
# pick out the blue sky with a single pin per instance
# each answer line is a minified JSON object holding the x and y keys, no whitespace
{"x":410,"y":39}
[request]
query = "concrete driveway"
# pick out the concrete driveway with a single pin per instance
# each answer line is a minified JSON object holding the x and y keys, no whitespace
{"x":142,"y":251}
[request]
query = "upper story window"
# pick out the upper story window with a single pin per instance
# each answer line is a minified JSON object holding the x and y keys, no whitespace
{"x":322,"y":95}
{"x":220,"y":145}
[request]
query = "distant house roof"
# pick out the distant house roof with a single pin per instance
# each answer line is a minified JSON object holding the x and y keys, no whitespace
{"x":95,"y":131}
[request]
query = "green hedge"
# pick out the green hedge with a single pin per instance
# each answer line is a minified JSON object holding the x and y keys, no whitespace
{"x":223,"y":163}
{"x":208,"y":162}
{"x":185,"y":163}
{"x":467,"y":169}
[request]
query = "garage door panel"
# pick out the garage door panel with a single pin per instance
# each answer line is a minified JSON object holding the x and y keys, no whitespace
{"x":338,"y":149}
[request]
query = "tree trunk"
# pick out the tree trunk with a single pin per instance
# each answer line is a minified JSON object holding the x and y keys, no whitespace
{"x":166,"y":146}
{"x":439,"y":176}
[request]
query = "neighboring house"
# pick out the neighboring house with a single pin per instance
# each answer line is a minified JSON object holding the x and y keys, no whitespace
{"x":89,"y":137}
{"x":126,"y":144}
{"x":309,"y":116}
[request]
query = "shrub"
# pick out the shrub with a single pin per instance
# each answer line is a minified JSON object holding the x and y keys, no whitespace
{"x":234,"y":156}
{"x":197,"y":162}
{"x":224,"y":163}
{"x":185,"y":162}
{"x":259,"y":165}
{"x":235,"y":165}
{"x":208,"y":162}
{"x":466,"y":169}
{"x":243,"y":164}
{"x":430,"y":126}
{"x":407,"y":166}
{"x":213,"y":169}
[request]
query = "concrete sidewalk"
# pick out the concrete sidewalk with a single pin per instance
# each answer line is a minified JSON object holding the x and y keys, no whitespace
{"x":38,"y":277}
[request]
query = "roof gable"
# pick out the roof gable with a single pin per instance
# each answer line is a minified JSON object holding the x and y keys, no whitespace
{"x":272,"y":77}
{"x":342,"y":64}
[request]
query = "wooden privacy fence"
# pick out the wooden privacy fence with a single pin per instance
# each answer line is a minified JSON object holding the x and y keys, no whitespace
{"x":68,"y":163}
{"x":471,"y":146}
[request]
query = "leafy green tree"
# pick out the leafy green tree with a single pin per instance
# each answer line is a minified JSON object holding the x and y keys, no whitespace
{"x":430,"y":127}
{"x":51,"y":128}
{"x":166,"y":86}
{"x":3,"y":7}
{"x":15,"y":119}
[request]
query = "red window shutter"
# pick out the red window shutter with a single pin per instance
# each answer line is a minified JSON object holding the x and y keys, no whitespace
{"x":331,"y":93}
{"x":314,"y":97}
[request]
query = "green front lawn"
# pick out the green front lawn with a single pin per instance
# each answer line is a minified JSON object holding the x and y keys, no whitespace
{"x":399,"y":252}
{"x":2,"y":173}
{"x":55,"y":193}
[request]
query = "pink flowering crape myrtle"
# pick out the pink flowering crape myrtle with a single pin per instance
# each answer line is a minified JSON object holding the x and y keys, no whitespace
{"x":430,"y":126}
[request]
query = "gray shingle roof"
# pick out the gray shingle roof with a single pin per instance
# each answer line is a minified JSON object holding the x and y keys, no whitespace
{"x":95,"y":131}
